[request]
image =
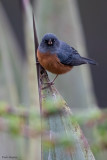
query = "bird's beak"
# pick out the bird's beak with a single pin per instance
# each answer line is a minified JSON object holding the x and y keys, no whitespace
{"x":50,"y":42}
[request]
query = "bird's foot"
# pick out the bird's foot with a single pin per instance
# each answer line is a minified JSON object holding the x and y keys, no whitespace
{"x":48,"y":85}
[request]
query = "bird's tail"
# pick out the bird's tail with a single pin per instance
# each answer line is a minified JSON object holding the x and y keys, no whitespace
{"x":88,"y":61}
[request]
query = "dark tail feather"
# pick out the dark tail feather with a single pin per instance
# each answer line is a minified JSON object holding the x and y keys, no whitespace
{"x":88,"y":61}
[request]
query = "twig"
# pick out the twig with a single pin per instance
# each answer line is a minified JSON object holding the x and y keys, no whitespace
{"x":38,"y":66}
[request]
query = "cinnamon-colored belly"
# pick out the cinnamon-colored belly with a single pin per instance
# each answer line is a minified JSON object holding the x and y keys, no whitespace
{"x":51,"y":63}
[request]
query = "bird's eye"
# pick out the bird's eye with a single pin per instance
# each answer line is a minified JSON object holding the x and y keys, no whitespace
{"x":45,"y":41}
{"x":53,"y":40}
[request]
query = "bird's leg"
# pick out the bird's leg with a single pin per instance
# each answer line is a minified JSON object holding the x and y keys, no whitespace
{"x":54,"y":79}
{"x":50,"y":83}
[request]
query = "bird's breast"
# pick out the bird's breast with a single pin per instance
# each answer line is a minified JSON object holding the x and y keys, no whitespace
{"x":51,"y":63}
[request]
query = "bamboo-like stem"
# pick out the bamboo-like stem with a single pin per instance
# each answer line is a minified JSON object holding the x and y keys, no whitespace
{"x":33,"y":147}
{"x":8,"y":71}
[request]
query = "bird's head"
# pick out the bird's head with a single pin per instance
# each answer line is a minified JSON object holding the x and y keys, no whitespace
{"x":49,"y":43}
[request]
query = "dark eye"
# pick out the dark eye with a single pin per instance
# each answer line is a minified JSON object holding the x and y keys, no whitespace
{"x":53,"y":40}
{"x":46,"y":41}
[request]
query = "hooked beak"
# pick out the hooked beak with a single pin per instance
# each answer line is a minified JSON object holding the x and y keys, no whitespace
{"x":50,"y":42}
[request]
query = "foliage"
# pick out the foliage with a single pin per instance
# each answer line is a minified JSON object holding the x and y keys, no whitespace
{"x":13,"y":120}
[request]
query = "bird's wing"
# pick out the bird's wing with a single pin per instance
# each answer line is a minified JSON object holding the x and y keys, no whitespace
{"x":67,"y":54}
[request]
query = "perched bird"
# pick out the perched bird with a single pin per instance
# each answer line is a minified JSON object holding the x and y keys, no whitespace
{"x":57,"y":56}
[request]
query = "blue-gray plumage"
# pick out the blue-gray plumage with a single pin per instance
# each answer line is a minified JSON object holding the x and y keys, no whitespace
{"x":57,"y":56}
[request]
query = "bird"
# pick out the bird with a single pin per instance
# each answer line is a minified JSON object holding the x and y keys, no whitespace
{"x":58,"y":57}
